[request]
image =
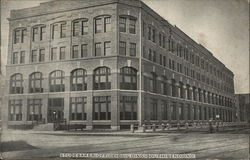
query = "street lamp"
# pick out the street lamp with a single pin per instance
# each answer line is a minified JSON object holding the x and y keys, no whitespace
{"x":54,"y":116}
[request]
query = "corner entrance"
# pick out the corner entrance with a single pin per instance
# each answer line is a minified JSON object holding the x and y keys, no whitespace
{"x":55,"y":109}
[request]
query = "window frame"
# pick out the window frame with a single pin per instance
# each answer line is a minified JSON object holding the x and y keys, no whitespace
{"x":34,"y":79}
{"x":132,"y":74}
{"x":97,"y":102}
{"x":74,"y":115}
{"x":54,"y":76}
{"x":97,"y":82}
{"x":15,"y":103}
{"x":74,"y":76}
{"x":14,"y":80}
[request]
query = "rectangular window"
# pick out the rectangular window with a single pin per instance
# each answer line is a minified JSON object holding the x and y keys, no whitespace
{"x":42,"y":55}
{"x":15,"y":110}
{"x":107,"y":48}
{"x":132,"y":49}
{"x":24,"y":34}
{"x":22,"y":57}
{"x":153,"y":113}
{"x":150,"y":54}
{"x":164,"y":42}
{"x":77,"y":108}
{"x":149,"y":33}
{"x":98,"y":25}
{"x":17,"y":37}
{"x":122,"y":24}
{"x":122,"y":48}
{"x":63,"y":30}
{"x":35,"y":34}
{"x":154,"y":56}
{"x":153,"y":36}
{"x":102,"y":108}
{"x":34,"y":56}
{"x":62,"y":53}
{"x":54,"y":31}
{"x":75,"y":52}
{"x":164,"y":61}
{"x":15,"y":58}
{"x":160,"y":42}
{"x":173,"y":64}
{"x":170,"y":64}
{"x":76,"y":28}
{"x":160,"y":59}
{"x":132,"y":26}
{"x":85,"y":28}
{"x":84,"y":50}
{"x":107,"y":24}
{"x":53,"y":54}
{"x":98,"y":50}
{"x":128,"y":108}
{"x":34,"y":110}
{"x":42,"y":34}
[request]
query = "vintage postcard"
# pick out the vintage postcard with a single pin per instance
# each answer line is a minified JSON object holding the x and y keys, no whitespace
{"x":124,"y":79}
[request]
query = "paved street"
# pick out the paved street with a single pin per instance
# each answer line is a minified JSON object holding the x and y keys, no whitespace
{"x":51,"y":144}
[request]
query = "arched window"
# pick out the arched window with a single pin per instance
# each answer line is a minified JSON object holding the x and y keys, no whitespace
{"x":78,"y":80}
{"x":56,"y":81}
{"x":16,"y":83}
{"x":35,"y":85}
{"x":102,"y":78}
{"x":128,"y":78}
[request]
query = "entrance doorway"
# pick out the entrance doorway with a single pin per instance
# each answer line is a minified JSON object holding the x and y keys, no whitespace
{"x":55,"y":110}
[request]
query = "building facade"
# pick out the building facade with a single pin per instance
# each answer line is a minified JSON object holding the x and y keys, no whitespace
{"x":107,"y":64}
{"x":243,"y":104}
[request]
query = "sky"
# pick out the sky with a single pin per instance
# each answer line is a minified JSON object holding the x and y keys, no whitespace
{"x":222,"y":26}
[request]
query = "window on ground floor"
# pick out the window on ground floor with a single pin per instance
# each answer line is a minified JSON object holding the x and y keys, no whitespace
{"x":153,"y":109}
{"x":102,"y":108}
{"x":77,"y":108}
{"x":15,"y":110}
{"x":128,"y":108}
{"x":34,"y":110}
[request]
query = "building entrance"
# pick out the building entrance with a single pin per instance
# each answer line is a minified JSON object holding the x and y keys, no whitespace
{"x":55,"y":110}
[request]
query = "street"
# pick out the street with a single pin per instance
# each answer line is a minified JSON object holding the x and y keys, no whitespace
{"x":51,"y":144}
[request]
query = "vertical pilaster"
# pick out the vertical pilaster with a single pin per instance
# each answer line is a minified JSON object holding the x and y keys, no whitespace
{"x":66,"y":107}
{"x":89,"y":104}
{"x":24,"y":109}
{"x":160,"y":105}
{"x":45,"y":108}
{"x":115,"y":111}
{"x":169,"y":110}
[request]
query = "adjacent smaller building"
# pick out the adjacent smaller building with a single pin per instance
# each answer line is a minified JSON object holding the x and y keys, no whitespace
{"x":243,"y":102}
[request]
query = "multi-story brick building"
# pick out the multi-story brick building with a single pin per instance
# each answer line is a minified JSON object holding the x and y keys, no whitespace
{"x":109,"y":63}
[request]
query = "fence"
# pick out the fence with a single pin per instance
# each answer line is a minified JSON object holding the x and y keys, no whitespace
{"x":213,"y":126}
